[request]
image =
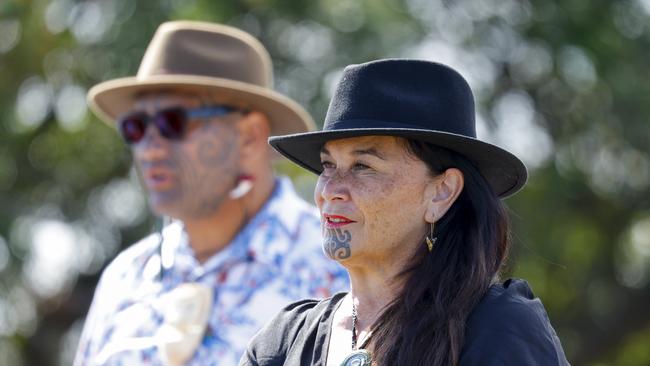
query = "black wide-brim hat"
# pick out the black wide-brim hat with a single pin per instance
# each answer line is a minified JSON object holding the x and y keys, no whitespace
{"x":414,"y":99}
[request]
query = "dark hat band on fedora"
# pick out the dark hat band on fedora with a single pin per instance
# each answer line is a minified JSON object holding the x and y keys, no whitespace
{"x":413,"y":99}
{"x":228,"y":64}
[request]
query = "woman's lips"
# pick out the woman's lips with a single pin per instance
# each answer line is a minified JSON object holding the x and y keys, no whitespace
{"x":336,"y":221}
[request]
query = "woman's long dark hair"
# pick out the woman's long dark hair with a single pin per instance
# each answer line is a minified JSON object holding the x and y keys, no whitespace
{"x":425,"y":324}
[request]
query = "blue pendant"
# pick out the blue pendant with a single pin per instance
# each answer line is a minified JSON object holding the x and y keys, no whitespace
{"x":360,"y":357}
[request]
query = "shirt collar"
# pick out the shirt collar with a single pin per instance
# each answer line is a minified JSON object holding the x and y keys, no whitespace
{"x":284,"y":207}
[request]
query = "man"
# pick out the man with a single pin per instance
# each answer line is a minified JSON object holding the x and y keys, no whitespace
{"x":197,"y":117}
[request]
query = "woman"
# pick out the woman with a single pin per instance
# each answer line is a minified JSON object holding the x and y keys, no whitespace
{"x":409,"y":203}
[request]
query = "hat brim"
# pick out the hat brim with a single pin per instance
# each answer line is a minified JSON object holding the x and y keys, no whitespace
{"x":504,"y":172}
{"x":112,"y":99}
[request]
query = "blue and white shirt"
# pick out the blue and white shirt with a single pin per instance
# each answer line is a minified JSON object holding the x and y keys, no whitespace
{"x":276,"y":259}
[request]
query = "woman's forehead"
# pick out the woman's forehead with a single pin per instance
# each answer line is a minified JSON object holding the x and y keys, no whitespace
{"x":364,"y":143}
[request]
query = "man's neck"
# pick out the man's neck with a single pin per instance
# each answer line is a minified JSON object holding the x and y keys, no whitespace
{"x":211,"y":234}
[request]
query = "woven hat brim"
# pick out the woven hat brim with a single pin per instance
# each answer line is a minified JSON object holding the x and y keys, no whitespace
{"x":112,"y":99}
{"x":504,"y":172}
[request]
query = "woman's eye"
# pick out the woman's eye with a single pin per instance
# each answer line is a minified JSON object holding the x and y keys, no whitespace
{"x":327,"y":165}
{"x":360,"y":166}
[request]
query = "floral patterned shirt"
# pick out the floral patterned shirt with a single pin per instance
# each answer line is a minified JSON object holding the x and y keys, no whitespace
{"x":276,"y":259}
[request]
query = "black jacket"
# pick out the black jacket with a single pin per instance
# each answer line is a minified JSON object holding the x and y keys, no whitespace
{"x":508,"y":327}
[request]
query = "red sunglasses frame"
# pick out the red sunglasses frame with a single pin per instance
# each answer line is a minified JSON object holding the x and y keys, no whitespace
{"x":171,"y":122}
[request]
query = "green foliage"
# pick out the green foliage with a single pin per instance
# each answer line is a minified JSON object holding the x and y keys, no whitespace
{"x":564,"y":84}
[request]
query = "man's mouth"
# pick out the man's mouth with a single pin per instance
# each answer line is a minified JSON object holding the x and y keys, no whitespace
{"x":157,"y":179}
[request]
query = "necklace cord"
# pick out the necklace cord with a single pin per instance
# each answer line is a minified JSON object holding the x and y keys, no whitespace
{"x":358,"y":356}
{"x":354,"y":327}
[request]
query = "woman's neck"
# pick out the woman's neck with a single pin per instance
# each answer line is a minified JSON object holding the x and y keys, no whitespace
{"x":371,"y":294}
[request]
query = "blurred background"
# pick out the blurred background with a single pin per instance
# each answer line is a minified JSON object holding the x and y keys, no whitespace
{"x":565,"y":85}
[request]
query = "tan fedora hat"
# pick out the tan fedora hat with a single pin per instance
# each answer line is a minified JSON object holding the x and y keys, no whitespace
{"x":226,"y":62}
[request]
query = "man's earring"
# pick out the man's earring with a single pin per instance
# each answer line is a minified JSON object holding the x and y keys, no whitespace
{"x":430,"y":239}
{"x":244,"y":185}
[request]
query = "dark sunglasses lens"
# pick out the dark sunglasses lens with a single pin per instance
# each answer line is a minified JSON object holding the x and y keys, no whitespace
{"x":171,"y":122}
{"x":133,"y":128}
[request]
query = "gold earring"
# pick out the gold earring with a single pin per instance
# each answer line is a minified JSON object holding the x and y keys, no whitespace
{"x":431,"y":241}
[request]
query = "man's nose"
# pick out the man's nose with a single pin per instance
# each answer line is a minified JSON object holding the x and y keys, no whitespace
{"x":153,"y":145}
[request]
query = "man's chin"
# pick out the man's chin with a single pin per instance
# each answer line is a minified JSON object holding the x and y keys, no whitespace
{"x":163,"y":206}
{"x":173,"y":205}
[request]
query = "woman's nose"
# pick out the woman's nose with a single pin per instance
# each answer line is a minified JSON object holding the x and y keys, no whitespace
{"x":332,"y":188}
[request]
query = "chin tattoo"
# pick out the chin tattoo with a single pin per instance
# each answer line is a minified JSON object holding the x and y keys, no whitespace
{"x":337,"y":243}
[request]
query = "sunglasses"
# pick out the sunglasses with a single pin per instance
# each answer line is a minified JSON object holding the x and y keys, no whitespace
{"x":171,"y":122}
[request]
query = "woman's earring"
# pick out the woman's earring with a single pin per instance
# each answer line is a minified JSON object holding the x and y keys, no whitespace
{"x":430,"y":239}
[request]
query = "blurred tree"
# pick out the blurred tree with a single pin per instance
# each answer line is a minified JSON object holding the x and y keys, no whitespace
{"x":563,"y":84}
